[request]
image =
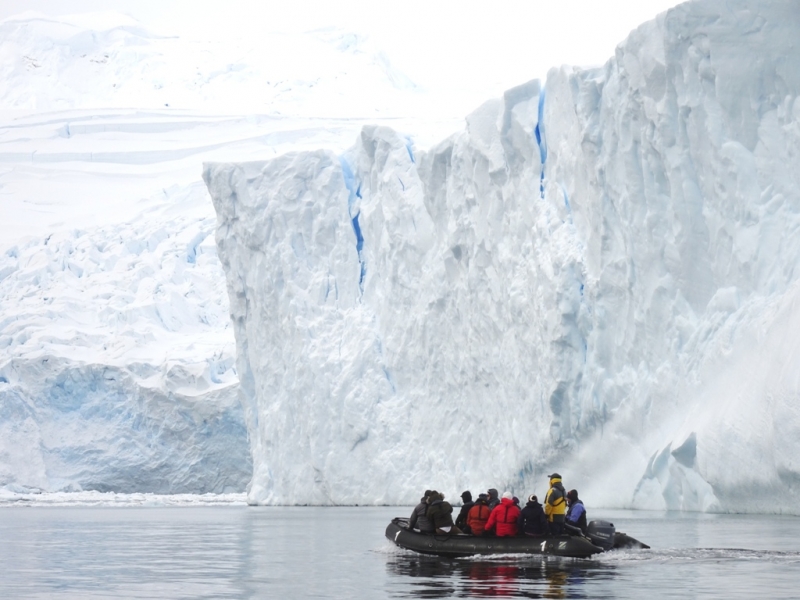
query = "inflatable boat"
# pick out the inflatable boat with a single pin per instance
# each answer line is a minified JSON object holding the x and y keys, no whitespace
{"x":601,"y":537}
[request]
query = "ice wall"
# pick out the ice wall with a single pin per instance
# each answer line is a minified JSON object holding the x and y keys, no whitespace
{"x":597,"y":279}
{"x":71,"y":426}
{"x":679,"y":161}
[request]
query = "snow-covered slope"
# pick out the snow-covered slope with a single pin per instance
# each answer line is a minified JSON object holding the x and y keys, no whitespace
{"x":111,"y":61}
{"x":116,"y":351}
{"x":598,"y":277}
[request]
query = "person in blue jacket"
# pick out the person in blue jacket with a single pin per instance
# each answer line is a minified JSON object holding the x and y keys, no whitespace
{"x":576,"y":513}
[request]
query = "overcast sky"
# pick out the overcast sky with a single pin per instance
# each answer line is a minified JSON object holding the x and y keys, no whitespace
{"x":435,"y":42}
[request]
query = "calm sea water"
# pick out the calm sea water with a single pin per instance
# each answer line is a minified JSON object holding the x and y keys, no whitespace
{"x":246,"y":552}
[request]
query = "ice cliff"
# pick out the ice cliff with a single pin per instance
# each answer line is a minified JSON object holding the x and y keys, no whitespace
{"x":596,"y":276}
{"x":116,"y":348}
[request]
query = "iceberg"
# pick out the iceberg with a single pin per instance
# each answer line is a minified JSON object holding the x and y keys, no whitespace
{"x":597,"y":275}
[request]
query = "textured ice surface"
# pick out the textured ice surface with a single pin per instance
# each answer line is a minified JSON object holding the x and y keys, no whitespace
{"x":596,"y":277}
{"x":116,"y":348}
{"x":114,"y":375}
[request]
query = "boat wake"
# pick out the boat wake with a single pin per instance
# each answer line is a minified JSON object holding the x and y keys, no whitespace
{"x":698,"y":554}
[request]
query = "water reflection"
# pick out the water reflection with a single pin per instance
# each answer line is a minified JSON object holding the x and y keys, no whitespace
{"x":527,"y":577}
{"x":245,"y":553}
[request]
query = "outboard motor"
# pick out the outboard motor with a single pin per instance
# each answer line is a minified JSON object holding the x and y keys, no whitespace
{"x":602,"y":534}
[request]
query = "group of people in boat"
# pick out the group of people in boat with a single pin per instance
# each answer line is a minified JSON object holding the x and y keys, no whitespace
{"x":491,"y":514}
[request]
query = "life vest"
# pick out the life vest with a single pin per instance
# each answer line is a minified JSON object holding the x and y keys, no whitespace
{"x":477,"y":517}
{"x":555,"y":503}
{"x":504,"y":517}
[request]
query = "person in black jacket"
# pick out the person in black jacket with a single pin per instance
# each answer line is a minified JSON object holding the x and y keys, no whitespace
{"x":494,"y":498}
{"x":532,"y":520}
{"x":461,"y":519}
{"x":440,"y":514}
{"x":419,"y":517}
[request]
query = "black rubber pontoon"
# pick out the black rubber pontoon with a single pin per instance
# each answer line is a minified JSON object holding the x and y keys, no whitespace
{"x":469,"y":545}
{"x":573,"y":546}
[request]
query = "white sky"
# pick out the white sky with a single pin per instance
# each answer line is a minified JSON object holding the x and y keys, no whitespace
{"x":491,"y":45}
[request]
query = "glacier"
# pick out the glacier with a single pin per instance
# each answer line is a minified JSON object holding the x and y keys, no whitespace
{"x":117,"y":357}
{"x":596,"y":276}
{"x":114,"y":377}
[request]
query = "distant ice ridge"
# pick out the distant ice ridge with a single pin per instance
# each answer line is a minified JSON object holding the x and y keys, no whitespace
{"x":110,"y":60}
{"x":598,"y":279}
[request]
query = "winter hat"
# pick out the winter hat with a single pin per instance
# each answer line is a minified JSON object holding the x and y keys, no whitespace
{"x":466,"y":496}
{"x":483,"y":497}
{"x":507,"y":495}
{"x":533,"y":498}
{"x":572,"y":495}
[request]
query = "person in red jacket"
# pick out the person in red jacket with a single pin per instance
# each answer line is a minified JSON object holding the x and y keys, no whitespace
{"x":479,"y":514}
{"x":504,"y":517}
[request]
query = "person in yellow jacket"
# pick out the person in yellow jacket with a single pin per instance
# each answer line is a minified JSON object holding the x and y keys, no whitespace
{"x":555,"y":505}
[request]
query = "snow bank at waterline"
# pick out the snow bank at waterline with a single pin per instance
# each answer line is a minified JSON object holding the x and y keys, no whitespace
{"x":596,"y":276}
{"x":97,"y":499}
